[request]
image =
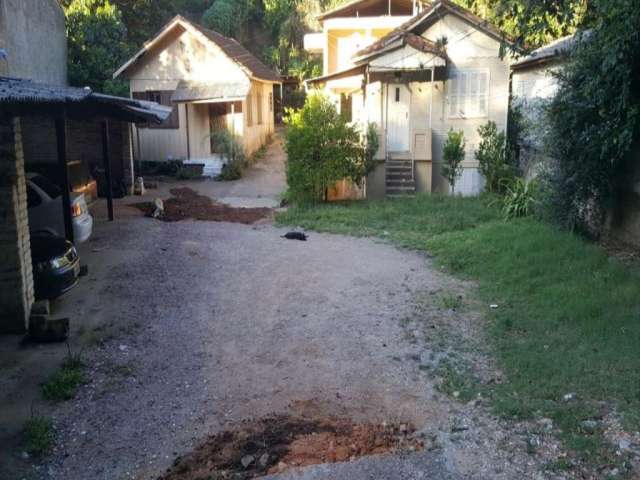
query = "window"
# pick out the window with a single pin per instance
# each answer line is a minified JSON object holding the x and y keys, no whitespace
{"x":270,"y":102}
{"x":33,"y":199}
{"x":163,"y":98}
{"x":397,"y":94}
{"x":46,"y":186}
{"x":249,"y":110}
{"x":469,"y":93}
{"x":259,"y":106}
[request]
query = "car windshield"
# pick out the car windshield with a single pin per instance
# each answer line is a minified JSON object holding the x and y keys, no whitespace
{"x":45,"y":184}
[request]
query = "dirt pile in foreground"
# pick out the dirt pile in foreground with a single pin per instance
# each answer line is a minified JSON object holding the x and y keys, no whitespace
{"x":187,"y":203}
{"x":277,"y":444}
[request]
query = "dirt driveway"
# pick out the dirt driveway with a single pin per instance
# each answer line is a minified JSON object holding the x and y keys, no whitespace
{"x":211,"y":324}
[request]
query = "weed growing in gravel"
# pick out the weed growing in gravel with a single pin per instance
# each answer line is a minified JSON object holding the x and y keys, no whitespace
{"x":65,"y":382}
{"x":39,"y":436}
{"x":451,"y":301}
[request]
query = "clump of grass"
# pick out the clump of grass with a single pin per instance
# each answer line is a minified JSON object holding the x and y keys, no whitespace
{"x":461,"y":385}
{"x":39,"y":436}
{"x":451,"y":301}
{"x":65,"y":382}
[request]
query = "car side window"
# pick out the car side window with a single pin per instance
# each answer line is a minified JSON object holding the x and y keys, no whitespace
{"x":33,"y":199}
{"x":47,"y":186}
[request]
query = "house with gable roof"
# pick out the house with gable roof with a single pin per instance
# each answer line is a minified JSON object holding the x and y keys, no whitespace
{"x":212,"y":82}
{"x":433,"y":67}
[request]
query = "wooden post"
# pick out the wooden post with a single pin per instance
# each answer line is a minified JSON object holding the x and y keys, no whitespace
{"x":107,"y":167}
{"x":186,"y":115}
{"x":61,"y":140}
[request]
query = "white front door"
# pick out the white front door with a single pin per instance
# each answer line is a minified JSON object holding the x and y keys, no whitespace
{"x":399,"y":98}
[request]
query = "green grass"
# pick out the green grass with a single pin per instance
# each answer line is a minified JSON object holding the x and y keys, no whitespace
{"x":39,"y":436}
{"x":65,"y":382}
{"x":567,"y":317}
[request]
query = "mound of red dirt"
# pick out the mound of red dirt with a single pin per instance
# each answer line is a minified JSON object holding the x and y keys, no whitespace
{"x":276,"y":444}
{"x":187,"y":203}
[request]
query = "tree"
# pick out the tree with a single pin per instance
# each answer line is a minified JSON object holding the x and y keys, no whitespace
{"x":533,"y":23}
{"x":494,"y":157}
{"x":595,"y":119}
{"x":322,"y":148}
{"x":452,"y":157}
{"x":97,"y":45}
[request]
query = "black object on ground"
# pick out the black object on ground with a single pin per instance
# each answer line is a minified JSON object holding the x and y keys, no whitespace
{"x":295,"y":236}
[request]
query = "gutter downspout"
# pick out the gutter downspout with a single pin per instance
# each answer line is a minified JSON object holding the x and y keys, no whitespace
{"x":186,"y":114}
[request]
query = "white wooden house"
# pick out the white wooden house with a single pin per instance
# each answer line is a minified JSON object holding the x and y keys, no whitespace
{"x":211,"y":81}
{"x":441,"y":68}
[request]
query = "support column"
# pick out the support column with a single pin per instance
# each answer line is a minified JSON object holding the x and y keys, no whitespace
{"x":107,"y":167}
{"x":61,"y":139}
{"x":16,"y":275}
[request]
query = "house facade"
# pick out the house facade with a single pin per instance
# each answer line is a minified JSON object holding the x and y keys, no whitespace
{"x":436,"y":70}
{"x":533,"y":86}
{"x":212,"y":83}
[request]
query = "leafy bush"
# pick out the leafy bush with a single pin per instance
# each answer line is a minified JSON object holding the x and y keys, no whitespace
{"x":494,"y":157}
{"x":226,"y":144}
{"x":170,"y":168}
{"x":452,"y":157}
{"x":322,"y":149}
{"x":371,"y":146}
{"x":39,"y":436}
{"x":519,"y":198}
{"x":595,"y":119}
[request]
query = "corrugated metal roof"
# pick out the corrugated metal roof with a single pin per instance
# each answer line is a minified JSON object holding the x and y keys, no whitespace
{"x":201,"y":91}
{"x":18,"y":90}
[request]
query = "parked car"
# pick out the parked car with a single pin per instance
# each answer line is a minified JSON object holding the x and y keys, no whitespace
{"x":44,"y":200}
{"x":56,"y":265}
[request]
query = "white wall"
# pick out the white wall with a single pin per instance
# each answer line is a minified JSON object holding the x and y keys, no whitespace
{"x":467,"y":48}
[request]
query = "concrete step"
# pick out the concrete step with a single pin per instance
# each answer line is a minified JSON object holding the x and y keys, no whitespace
{"x":401,"y":190}
{"x":400,"y":183}
{"x":399,"y":176}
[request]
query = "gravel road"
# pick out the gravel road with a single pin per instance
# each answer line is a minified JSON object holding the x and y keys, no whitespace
{"x":210,"y":324}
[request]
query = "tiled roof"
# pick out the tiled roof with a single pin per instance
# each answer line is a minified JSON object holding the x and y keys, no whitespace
{"x":420,"y":22}
{"x":555,"y":49}
{"x":231,"y":47}
{"x":416,"y":41}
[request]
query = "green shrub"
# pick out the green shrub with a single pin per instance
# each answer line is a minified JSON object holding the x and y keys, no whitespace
{"x":371,"y":146}
{"x":595,"y":119}
{"x":452,"y":157}
{"x":39,"y":436}
{"x":519,"y":198}
{"x":322,"y":149}
{"x":170,"y":168}
{"x":226,"y":144}
{"x":494,"y":157}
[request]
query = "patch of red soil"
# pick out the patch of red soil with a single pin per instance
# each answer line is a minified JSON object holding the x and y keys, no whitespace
{"x":276,"y":444}
{"x":187,"y":203}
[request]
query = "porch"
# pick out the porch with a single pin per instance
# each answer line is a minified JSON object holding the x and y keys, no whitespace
{"x":398,"y":91}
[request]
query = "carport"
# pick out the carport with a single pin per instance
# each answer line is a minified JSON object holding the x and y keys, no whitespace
{"x":23,"y":98}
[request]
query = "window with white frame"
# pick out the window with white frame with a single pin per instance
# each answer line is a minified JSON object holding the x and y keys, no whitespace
{"x":469,"y":93}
